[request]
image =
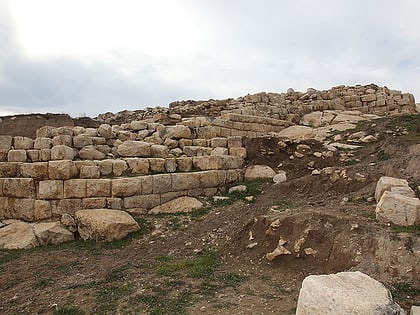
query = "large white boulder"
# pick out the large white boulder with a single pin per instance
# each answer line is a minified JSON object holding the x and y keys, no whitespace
{"x":181,"y":204}
{"x":385,"y":183}
{"x":398,"y":209}
{"x":259,"y":171}
{"x":104,"y":225}
{"x":52,"y":233}
{"x":17,"y":235}
{"x":345,"y":293}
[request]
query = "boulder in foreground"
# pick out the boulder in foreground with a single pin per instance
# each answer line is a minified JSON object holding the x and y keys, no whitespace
{"x":17,"y":235}
{"x":259,"y":171}
{"x":104,"y":225}
{"x":345,"y":293}
{"x":398,"y":209}
{"x":181,"y":204}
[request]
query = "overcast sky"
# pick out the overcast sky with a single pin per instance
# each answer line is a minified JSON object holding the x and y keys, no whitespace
{"x":86,"y":57}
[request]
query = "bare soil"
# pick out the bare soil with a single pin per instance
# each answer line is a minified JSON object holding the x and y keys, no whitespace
{"x":210,"y":264}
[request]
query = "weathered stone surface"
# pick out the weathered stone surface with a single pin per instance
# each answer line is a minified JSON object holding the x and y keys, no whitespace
{"x":212,"y":178}
{"x":52,"y":233}
{"x":398,"y":209}
{"x":138,"y":125}
{"x":82,"y":140}
{"x":126,"y":187}
{"x":237,"y":151}
{"x":404,"y":190}
{"x":313,"y":119}
{"x":105,"y":167}
{"x":62,"y":152}
{"x":138,"y":166}
{"x":259,"y":171}
{"x":21,"y":208}
{"x":162,"y":183}
{"x":181,"y":204}
{"x":94,"y":203}
{"x":75,"y":188}
{"x":91,"y":153}
{"x":38,"y":170}
{"x":296,"y":133}
{"x":134,"y":148}
{"x":51,"y":189}
{"x":385,"y":183}
{"x":170,"y":165}
{"x":90,"y":171}
{"x":8,"y":169}
{"x":62,"y":206}
{"x":184,"y":164}
{"x":42,"y":143}
{"x":16,"y":156}
{"x":235,"y":189}
{"x":217,"y":162}
{"x":119,"y":167}
{"x":64,"y":169}
{"x":177,"y":132}
{"x":280,"y":177}
{"x":142,"y":201}
{"x":185,"y":181}
{"x":17,"y":235}
{"x":105,"y":131}
{"x":98,"y":188}
{"x":234,"y":142}
{"x":5,"y":142}
{"x":278,"y":251}
{"x":104,"y":225}
{"x":66,"y":140}
{"x":157,"y":165}
{"x":42,"y":210}
{"x":33,"y":155}
{"x":23,"y":143}
{"x":345,"y":293}
{"x":18,"y":187}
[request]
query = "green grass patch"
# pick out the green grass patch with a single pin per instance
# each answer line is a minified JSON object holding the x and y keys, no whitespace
{"x":232,"y":279}
{"x":404,"y":289}
{"x":107,"y":297}
{"x":165,"y":304}
{"x":253,"y":188}
{"x":413,"y":229}
{"x":382,"y":156}
{"x":68,"y":310}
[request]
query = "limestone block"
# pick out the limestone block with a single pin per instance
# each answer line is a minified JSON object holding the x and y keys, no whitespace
{"x":134,"y":148}
{"x":114,"y":203}
{"x":200,"y":142}
{"x":162,"y":183}
{"x":184,"y":142}
{"x":184,"y":164}
{"x":234,"y":142}
{"x":98,"y":141}
{"x":21,"y":208}
{"x":5,"y":142}
{"x":62,"y":152}
{"x":234,"y":176}
{"x":345,"y":293}
{"x":119,"y":167}
{"x":170,"y":143}
{"x":38,"y":170}
{"x":138,"y":166}
{"x":259,"y":171}
{"x":78,"y":130}
{"x":9,"y":169}
{"x":404,"y":190}
{"x":386,"y":183}
{"x":238,"y":151}
{"x":23,"y":143}
{"x":159,"y":151}
{"x":91,"y":153}
{"x":185,"y":181}
{"x":33,"y":155}
{"x":175,"y":152}
{"x":177,"y":132}
{"x":147,"y":184}
{"x":52,"y":233}
{"x":217,"y":162}
{"x":313,"y":119}
{"x":296,"y":133}
{"x":125,"y":135}
{"x":45,"y":132}
{"x":105,"y":167}
{"x":42,"y":143}
{"x":398,"y":209}
{"x":142,"y":201}
{"x":3,"y":155}
{"x":368,"y":97}
{"x":137,"y":125}
{"x":87,"y":171}
{"x":82,"y":140}
{"x":92,"y":132}
{"x":125,"y":187}
{"x":65,"y":130}
{"x":104,"y":148}
{"x":66,"y":140}
{"x":157,"y":165}
{"x":178,"y":205}
{"x":16,"y":156}
{"x":75,"y":188}
{"x":51,"y":189}
{"x":142,"y":134}
{"x":98,"y":188}
{"x":170,"y":165}
{"x":104,"y":225}
{"x":64,"y":169}
{"x":18,"y":235}
{"x":190,"y":150}
{"x":218,"y":142}
{"x":45,"y":155}
{"x":19,"y":187}
{"x":42,"y":210}
{"x":60,"y":207}
{"x":105,"y":131}
{"x":165,"y":197}
{"x":94,"y":203}
{"x":154,"y":139}
{"x":209,"y":179}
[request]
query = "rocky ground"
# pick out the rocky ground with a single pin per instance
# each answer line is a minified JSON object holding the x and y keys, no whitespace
{"x":213,"y":261}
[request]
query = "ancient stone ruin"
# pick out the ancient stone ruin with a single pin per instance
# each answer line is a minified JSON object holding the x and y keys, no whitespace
{"x":135,"y":161}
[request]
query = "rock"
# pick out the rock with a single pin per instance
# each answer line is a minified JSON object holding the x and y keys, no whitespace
{"x":343,"y":146}
{"x":134,"y":148}
{"x":280,"y":177}
{"x":415,"y":310}
{"x":313,"y":119}
{"x":259,"y":171}
{"x":280,"y":250}
{"x":239,"y":188}
{"x":90,"y":152}
{"x":181,"y":204}
{"x":177,"y":132}
{"x":104,"y":225}
{"x":17,"y":235}
{"x":385,"y":183}
{"x":105,"y":131}
{"x":404,"y":190}
{"x":82,"y":140}
{"x":345,"y":293}
{"x":52,"y":233}
{"x":296,"y":133}
{"x":398,"y":209}
{"x":62,"y":152}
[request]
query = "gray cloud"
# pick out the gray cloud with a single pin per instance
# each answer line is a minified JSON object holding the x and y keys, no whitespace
{"x":247,"y":47}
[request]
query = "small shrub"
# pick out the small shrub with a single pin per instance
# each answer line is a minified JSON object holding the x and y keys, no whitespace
{"x":382,"y":156}
{"x":68,"y":310}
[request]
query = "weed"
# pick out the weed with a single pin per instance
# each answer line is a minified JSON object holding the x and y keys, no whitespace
{"x":42,"y":283}
{"x":108,"y":296}
{"x":68,"y":310}
{"x":280,"y":290}
{"x":160,"y":305}
{"x":404,"y":289}
{"x":232,"y":279}
{"x":253,"y":188}
{"x":118,"y":274}
{"x":369,"y":214}
{"x":413,"y":229}
{"x":382,"y":156}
